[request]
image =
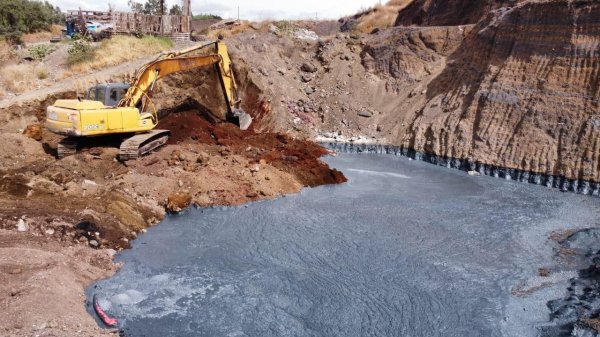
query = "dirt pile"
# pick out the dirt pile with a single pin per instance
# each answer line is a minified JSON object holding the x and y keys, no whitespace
{"x":515,"y":87}
{"x":214,"y":163}
{"x":42,"y":284}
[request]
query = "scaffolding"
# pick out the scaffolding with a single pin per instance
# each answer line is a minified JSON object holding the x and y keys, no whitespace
{"x":174,"y":26}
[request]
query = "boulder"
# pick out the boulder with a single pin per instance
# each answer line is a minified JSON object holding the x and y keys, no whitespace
{"x":304,"y":34}
{"x":306,"y":78}
{"x":89,"y":186}
{"x":365,"y":113}
{"x":203,"y":158}
{"x":178,"y":201}
{"x":308,"y":67}
{"x":33,"y":131}
{"x":273,"y":29}
{"x":224,"y":24}
{"x":22,"y":225}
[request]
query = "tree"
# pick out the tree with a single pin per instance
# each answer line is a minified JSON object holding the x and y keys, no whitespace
{"x":136,"y":7}
{"x":154,"y":7}
{"x":175,"y":10}
{"x":151,"y":7}
{"x":27,"y":16}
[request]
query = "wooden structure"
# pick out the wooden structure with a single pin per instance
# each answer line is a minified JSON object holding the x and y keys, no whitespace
{"x":174,"y":26}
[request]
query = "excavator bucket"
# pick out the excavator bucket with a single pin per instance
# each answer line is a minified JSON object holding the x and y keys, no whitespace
{"x":240,"y":118}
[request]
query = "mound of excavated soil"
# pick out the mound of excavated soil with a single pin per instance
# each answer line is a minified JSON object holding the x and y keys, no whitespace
{"x":297,"y":157}
{"x":188,"y":126}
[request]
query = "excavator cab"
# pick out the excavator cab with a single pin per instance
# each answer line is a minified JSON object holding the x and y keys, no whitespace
{"x":110,"y":94}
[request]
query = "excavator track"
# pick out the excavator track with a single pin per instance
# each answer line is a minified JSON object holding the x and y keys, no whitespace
{"x":142,"y":143}
{"x":66,"y":147}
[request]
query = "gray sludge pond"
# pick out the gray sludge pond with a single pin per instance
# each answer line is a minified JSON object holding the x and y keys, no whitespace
{"x":404,"y":248}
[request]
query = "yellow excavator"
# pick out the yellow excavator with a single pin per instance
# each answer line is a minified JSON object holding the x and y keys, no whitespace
{"x":128,"y":109}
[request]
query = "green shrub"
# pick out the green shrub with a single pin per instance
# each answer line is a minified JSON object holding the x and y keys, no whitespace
{"x":14,"y":38}
{"x":139,"y":33}
{"x":285,"y":27}
{"x":80,"y":51}
{"x":206,"y":17}
{"x":81,"y":37}
{"x":40,"y":51}
{"x":26,"y":16}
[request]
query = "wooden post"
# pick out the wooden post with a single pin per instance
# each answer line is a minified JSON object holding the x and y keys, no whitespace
{"x":186,"y":20}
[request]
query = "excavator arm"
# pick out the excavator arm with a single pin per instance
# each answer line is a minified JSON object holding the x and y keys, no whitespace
{"x":170,"y":63}
{"x":144,"y":82}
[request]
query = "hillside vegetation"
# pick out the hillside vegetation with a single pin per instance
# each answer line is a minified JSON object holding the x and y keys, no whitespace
{"x":42,"y":64}
{"x":117,"y":50}
{"x":25,"y":16}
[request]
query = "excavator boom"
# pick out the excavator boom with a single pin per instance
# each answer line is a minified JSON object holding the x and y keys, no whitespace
{"x":174,"y":62}
{"x":159,"y":69}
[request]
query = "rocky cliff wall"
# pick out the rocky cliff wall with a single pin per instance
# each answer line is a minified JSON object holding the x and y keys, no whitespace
{"x":521,"y":91}
{"x":447,"y":12}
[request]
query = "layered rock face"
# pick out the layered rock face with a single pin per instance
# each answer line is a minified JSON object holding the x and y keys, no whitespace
{"x":448,"y":12}
{"x":521,"y":91}
{"x":410,"y":55}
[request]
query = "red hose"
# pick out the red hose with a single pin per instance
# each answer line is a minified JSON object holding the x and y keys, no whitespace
{"x":112,"y":322}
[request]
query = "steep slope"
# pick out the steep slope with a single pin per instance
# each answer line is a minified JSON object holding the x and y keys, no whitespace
{"x":519,"y":89}
{"x":522,"y":91}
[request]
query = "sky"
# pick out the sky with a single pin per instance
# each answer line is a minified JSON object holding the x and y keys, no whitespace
{"x":249,"y":9}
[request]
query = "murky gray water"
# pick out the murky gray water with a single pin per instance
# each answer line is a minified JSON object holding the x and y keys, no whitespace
{"x":404,"y":249}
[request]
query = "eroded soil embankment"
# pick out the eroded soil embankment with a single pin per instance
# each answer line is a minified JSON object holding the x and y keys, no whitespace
{"x":55,"y":214}
{"x":514,"y":87}
{"x":520,"y":91}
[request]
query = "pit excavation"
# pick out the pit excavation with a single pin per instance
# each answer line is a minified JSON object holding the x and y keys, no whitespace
{"x":389,"y":264}
{"x":410,"y":168}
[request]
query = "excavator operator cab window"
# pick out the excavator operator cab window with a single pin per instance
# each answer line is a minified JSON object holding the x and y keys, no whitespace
{"x":91,"y":95}
{"x":96,"y":94}
{"x":100,"y":94}
{"x":115,"y":96}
